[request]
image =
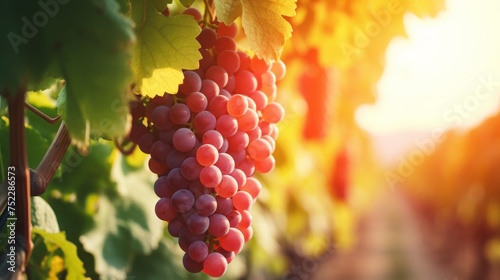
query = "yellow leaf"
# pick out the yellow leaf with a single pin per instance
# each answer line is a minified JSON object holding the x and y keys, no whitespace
{"x":265,"y":26}
{"x":228,"y":11}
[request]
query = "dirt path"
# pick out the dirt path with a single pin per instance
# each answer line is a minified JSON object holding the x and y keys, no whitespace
{"x":389,"y":247}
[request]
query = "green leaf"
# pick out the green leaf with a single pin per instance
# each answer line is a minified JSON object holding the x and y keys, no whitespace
{"x":42,"y":215}
{"x":165,"y":46}
{"x":57,"y":241}
{"x":24,"y":56}
{"x":36,"y":145}
{"x":187,"y":3}
{"x":126,"y":225}
{"x":93,"y":57}
{"x":163,"y":263}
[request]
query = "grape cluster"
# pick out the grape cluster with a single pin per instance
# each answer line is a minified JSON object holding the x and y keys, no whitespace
{"x":206,"y":142}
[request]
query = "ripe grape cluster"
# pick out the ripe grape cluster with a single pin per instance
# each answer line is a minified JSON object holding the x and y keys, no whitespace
{"x":206,"y":142}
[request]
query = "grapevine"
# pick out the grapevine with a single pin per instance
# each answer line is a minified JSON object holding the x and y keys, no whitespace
{"x":206,"y":142}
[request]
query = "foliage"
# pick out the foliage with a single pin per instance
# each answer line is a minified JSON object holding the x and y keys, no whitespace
{"x":81,"y":64}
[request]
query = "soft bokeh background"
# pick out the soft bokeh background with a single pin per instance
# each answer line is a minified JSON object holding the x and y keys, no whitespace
{"x":386,"y":161}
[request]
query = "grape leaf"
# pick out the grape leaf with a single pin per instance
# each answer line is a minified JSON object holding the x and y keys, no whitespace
{"x":165,"y":46}
{"x":23,"y":55}
{"x":43,"y":216}
{"x":263,"y":22}
{"x":125,"y":223}
{"x":228,"y":11}
{"x":55,"y":241}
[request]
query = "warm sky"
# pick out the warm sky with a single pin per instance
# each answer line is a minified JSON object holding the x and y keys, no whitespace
{"x":433,"y":79}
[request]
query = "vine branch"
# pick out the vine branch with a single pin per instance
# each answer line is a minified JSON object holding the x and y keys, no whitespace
{"x":47,"y":167}
{"x":19,"y":160}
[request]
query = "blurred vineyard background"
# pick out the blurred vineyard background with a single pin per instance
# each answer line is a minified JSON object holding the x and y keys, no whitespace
{"x":334,"y":208}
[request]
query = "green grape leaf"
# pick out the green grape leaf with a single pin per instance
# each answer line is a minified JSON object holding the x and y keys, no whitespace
{"x":36,"y":145}
{"x":43,"y":216}
{"x":160,"y":5}
{"x":165,"y":46}
{"x":187,"y":3}
{"x":95,"y":65}
{"x":57,"y":241}
{"x":24,"y":56}
{"x":125,"y":225}
{"x":228,"y":10}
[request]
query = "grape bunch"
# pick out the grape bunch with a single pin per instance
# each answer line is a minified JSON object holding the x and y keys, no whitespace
{"x":205,"y":144}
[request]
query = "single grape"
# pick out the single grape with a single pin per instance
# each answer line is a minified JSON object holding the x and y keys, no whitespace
{"x":229,"y":60}
{"x":248,"y":121}
{"x":204,"y":121}
{"x":197,"y":224}
{"x":191,"y":83}
{"x":179,"y":113}
{"x":215,"y":265}
{"x":157,"y":167}
{"x":191,"y":169}
{"x":242,"y":200}
{"x":184,"y":139}
{"x":246,"y":83}
{"x":209,"y":88}
{"x":175,"y":226}
{"x":145,"y":142}
{"x":214,"y":138}
{"x":273,"y":113}
{"x":196,"y":102}
{"x":182,"y":200}
{"x":240,"y":177}
{"x":225,"y":163}
{"x":165,"y":210}
{"x":227,"y":186}
{"x":239,"y":141}
{"x":191,"y":265}
{"x":266,"y":165}
{"x":217,"y":74}
{"x":234,"y":218}
{"x":207,"y":155}
{"x":237,"y":105}
{"x":252,"y":186}
{"x":219,"y":225}
{"x":227,"y":125}
{"x":224,"y":205}
{"x":159,"y":151}
{"x":210,"y":176}
{"x":224,"y":43}
{"x":198,"y":251}
{"x":232,"y":241}
{"x":207,"y":38}
{"x":218,"y":106}
{"x":205,"y":204}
